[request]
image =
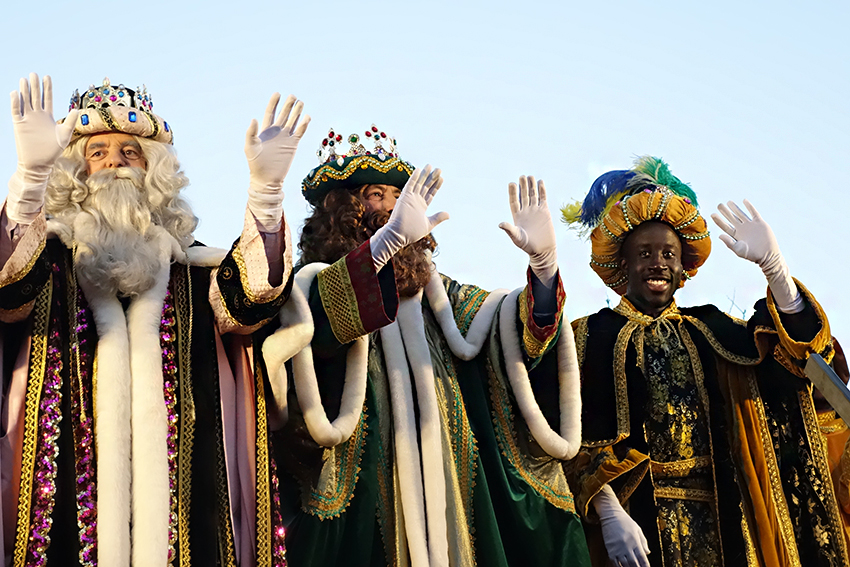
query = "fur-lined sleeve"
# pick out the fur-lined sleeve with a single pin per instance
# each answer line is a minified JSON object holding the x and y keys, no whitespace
{"x":240,"y":293}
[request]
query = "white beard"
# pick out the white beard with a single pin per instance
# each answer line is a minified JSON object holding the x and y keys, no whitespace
{"x":116,"y":245}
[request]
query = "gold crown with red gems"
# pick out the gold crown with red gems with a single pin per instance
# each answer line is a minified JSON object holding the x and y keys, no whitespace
{"x":381,"y":145}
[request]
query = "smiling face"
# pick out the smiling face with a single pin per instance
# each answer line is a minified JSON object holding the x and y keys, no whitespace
{"x":652,"y":258}
{"x":113,"y":149}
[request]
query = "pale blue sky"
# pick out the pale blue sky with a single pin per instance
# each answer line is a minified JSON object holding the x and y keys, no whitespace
{"x":741,"y":100}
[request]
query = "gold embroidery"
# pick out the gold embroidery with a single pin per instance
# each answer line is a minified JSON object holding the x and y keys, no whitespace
{"x":328,"y":171}
{"x":781,"y":356}
{"x":184,"y":312}
{"x":786,"y":530}
{"x":718,"y":348}
{"x":560,"y":497}
{"x":243,"y":277}
{"x":263,"y":489}
{"x":679,"y":468}
{"x":37,"y":369}
{"x":19,"y":275}
{"x":675,"y":493}
{"x":799,"y":349}
{"x":580,"y":334}
{"x":340,"y":302}
{"x":333,"y":497}
{"x":819,"y":455}
{"x":533,"y":347}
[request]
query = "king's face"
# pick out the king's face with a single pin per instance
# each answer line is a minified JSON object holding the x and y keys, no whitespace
{"x":652,"y":259}
{"x":113,"y":149}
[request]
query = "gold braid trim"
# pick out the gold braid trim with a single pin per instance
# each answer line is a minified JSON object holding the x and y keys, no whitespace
{"x":818,"y":448}
{"x":715,"y":344}
{"x":506,"y":437}
{"x":752,"y":558}
{"x":675,"y":493}
{"x":340,"y":302}
{"x":777,"y":496}
{"x":679,"y":468}
{"x":333,"y":501}
{"x":580,"y":334}
{"x":37,"y":369}
{"x":799,"y":349}
{"x":699,"y":378}
{"x":327,"y":171}
{"x":243,"y":277}
{"x":19,"y":275}
{"x":264,"y":507}
{"x":184,"y":315}
{"x":621,"y":388}
{"x":829,"y":423}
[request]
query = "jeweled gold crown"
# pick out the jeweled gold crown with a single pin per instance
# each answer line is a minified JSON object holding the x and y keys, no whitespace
{"x":111,"y":108}
{"x":108,"y":95}
{"x":380,"y":144}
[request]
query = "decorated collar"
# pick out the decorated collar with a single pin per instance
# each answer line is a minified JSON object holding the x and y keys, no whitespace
{"x":626,"y":309}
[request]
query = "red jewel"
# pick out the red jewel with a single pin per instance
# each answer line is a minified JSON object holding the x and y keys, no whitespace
{"x":369,"y":134}
{"x":383,"y":135}
{"x":325,"y":142}
{"x":338,"y":137}
{"x":374,"y":128}
{"x":97,"y":99}
{"x":331,"y":134}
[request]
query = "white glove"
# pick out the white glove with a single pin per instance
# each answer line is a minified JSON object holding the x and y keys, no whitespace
{"x":753,"y":240}
{"x":39,"y":142}
{"x":408,"y":221}
{"x":624,"y":540}
{"x":270,"y":155}
{"x":533,"y":231}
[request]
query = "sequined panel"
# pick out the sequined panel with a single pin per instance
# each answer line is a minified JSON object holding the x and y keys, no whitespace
{"x":169,"y":382}
{"x":84,"y":461}
{"x":47,"y":451}
{"x":278,"y":531}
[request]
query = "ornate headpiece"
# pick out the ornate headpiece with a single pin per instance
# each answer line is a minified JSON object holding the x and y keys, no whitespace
{"x":359,"y":165}
{"x":109,"y":108}
{"x":619,"y":201}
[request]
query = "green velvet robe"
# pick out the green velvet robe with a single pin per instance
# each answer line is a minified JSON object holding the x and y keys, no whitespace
{"x":511,"y":501}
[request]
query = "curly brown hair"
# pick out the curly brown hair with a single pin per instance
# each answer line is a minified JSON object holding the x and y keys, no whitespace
{"x":340,"y":224}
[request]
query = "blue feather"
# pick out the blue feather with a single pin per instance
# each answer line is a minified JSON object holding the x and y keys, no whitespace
{"x":606,"y":186}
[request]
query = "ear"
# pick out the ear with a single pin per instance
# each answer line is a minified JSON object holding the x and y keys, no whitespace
{"x":623,"y":264}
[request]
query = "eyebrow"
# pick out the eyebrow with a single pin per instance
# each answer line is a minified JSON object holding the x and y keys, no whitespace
{"x":99,"y":145}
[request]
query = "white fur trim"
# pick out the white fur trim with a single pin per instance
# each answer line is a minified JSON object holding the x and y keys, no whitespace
{"x":412,"y":328}
{"x":149,"y":417}
{"x":295,"y":333}
{"x":112,"y":431}
{"x":565,"y":445}
{"x":323,"y":431}
{"x":205,"y":256}
{"x":406,"y":445}
{"x":469,"y":347}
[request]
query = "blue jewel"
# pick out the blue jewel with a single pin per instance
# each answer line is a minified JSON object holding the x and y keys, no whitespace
{"x":166,"y":126}
{"x":105,"y":91}
{"x":120,"y":93}
{"x":84,"y":119}
{"x":132,"y":116}
{"x":91,"y":95}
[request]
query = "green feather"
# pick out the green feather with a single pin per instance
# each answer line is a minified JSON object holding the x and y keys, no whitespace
{"x":660,"y":173}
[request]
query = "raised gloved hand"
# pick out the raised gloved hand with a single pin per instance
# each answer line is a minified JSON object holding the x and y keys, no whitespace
{"x":624,"y":540}
{"x":39,"y":142}
{"x":533,"y":231}
{"x":408,"y":221}
{"x":270,"y":153}
{"x":753,"y":239}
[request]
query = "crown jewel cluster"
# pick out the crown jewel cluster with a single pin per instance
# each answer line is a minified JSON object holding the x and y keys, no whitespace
{"x":108,"y":95}
{"x":381,"y":146}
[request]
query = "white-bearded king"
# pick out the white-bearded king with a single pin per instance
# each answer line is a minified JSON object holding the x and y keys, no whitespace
{"x":132,"y":429}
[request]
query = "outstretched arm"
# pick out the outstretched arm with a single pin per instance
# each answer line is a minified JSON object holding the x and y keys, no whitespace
{"x":753,"y":240}
{"x":409,"y":221}
{"x":39,"y":142}
{"x":532,"y":232}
